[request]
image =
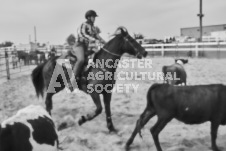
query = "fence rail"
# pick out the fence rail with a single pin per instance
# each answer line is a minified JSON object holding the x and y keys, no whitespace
{"x":197,"y":48}
{"x":210,"y":49}
{"x":9,"y":66}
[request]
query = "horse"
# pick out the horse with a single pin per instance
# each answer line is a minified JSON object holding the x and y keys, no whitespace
{"x":24,"y":56}
{"x":40,"y":56}
{"x":121,"y":43}
{"x":52,"y":53}
{"x":33,"y":56}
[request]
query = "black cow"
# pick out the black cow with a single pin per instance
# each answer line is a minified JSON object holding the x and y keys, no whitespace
{"x":175,"y":71}
{"x":189,"y":104}
{"x":31,"y":129}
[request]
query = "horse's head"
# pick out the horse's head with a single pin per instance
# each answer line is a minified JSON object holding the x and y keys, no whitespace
{"x":129,"y":45}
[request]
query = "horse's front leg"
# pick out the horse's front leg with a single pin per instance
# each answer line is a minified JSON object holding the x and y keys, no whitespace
{"x":107,"y":103}
{"x":96,"y":99}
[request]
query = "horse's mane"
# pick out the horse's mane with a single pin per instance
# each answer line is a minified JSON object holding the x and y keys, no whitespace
{"x":106,"y":46}
{"x":109,"y":43}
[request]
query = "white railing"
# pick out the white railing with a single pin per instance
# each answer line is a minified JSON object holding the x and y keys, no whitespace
{"x":196,"y":47}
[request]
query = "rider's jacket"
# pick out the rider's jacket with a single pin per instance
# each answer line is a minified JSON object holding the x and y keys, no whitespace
{"x":87,"y":32}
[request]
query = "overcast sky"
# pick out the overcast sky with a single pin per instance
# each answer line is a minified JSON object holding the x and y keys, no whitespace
{"x":56,"y":19}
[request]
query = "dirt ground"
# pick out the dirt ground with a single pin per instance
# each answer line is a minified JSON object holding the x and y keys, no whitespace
{"x":126,"y":107}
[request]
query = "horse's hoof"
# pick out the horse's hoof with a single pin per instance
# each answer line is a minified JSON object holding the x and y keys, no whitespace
{"x":215,"y":148}
{"x":112,"y":130}
{"x":81,"y":120}
{"x":127,"y":146}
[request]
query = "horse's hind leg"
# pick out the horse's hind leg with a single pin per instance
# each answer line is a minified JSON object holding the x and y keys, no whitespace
{"x":144,"y":118}
{"x":49,"y":102}
{"x":157,"y":128}
{"x":107,"y":103}
{"x":88,"y":117}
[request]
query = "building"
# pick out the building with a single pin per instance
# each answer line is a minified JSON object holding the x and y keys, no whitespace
{"x":219,"y":36}
{"x":26,"y":47}
{"x":194,"y":32}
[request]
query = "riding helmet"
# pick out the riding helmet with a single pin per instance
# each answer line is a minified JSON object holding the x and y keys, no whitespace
{"x":90,"y":13}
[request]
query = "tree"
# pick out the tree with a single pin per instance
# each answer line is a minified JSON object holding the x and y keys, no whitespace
{"x":138,"y":36}
{"x":174,"y":39}
{"x":6,"y":44}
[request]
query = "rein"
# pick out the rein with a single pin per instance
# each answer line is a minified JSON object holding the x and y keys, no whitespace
{"x":114,"y":54}
{"x":117,"y":55}
{"x":103,"y":69}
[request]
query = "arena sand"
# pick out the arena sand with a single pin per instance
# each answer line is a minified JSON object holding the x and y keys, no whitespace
{"x":126,"y":108}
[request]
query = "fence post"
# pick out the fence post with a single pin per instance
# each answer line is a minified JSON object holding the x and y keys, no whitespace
{"x":162,"y":50}
{"x":7,"y":65}
{"x":177,"y":49}
{"x":218,"y":49}
{"x":196,"y":50}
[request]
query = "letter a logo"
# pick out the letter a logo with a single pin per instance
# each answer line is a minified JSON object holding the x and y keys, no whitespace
{"x":64,"y":69}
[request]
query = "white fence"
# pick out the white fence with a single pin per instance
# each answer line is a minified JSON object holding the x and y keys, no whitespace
{"x":196,"y":47}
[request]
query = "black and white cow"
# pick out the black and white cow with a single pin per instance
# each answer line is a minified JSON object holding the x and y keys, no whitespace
{"x":189,"y":104}
{"x":31,"y":129}
{"x":174,"y":71}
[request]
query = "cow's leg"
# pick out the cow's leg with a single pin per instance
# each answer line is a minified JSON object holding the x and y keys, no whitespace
{"x":107,"y":104}
{"x":156,"y":129}
{"x":48,"y":102}
{"x":214,"y":128}
{"x":144,"y":118}
{"x":88,"y":117}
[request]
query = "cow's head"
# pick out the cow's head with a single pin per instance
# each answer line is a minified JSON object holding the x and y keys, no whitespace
{"x":181,"y":61}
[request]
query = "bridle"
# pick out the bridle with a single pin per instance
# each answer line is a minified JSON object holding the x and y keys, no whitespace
{"x":126,"y":38}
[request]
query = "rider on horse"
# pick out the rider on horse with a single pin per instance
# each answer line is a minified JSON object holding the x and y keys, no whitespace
{"x":87,"y":34}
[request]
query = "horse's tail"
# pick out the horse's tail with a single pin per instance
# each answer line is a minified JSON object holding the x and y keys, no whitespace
{"x":38,"y":80}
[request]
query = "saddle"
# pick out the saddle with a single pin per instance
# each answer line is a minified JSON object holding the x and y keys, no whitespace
{"x":71,"y":60}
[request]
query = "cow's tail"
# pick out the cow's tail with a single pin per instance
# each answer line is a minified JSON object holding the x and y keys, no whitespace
{"x":38,"y":80}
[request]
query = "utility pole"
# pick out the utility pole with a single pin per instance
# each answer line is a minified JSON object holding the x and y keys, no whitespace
{"x":200,"y":15}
